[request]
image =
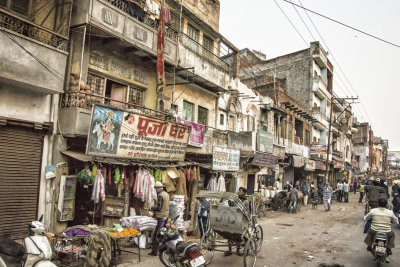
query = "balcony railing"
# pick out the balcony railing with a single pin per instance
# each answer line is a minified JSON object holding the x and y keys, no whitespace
{"x":31,"y":30}
{"x":87,"y":99}
{"x":202,"y":51}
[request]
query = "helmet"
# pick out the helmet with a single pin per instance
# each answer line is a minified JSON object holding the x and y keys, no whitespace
{"x":378,"y":180}
{"x":37,"y":228}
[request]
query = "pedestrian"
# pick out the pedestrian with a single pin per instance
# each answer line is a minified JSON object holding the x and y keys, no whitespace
{"x":161,"y":212}
{"x":362,"y":190}
{"x":293,"y":199}
{"x":312,"y":189}
{"x":346,"y":189}
{"x":202,"y":217}
{"x":304,"y":190}
{"x":355,"y":185}
{"x":288,"y":186}
{"x":327,"y":196}
{"x":297,"y":184}
{"x":277,"y":184}
{"x":339,"y":187}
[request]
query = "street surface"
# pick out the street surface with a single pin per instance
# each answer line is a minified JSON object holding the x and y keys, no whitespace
{"x":334,"y":237}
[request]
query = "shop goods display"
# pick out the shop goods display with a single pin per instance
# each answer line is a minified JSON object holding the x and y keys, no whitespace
{"x":180,"y":205}
{"x":140,"y":223}
{"x":126,"y":232}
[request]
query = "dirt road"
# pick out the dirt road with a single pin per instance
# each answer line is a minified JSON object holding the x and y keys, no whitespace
{"x":328,"y":237}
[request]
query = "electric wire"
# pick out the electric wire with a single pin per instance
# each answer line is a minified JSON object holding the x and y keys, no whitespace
{"x":309,"y":31}
{"x":345,"y":25}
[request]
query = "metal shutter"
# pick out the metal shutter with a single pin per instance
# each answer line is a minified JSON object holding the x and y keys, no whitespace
{"x":20,"y":164}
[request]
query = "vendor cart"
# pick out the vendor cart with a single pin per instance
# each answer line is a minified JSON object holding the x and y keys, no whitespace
{"x":230,"y":225}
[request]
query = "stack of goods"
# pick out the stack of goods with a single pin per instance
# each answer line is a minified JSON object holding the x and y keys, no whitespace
{"x":173,"y":209}
{"x":140,"y":223}
{"x":180,"y":206}
{"x":125,"y":232}
{"x":78,"y":88}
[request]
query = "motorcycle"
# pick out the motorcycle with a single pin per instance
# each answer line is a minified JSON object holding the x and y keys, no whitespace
{"x":379,"y":248}
{"x":35,"y":252}
{"x":174,"y":252}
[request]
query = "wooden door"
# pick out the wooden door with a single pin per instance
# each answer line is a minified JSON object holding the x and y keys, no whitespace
{"x":250,"y":184}
{"x":118,"y":92}
{"x":231,"y":123}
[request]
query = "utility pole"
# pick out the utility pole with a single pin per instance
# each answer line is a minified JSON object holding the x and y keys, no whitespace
{"x":328,"y":146}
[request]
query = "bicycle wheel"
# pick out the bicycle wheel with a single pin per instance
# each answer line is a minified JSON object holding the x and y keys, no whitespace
{"x":250,"y":253}
{"x":259,"y":236}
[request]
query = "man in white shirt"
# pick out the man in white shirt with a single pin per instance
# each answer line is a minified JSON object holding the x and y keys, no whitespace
{"x":346,"y":189}
{"x":382,"y":218}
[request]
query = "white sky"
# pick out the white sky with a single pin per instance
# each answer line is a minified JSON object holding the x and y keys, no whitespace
{"x":370,"y":65}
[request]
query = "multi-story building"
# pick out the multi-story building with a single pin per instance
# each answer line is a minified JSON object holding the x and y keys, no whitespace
{"x":361,"y":144}
{"x":394,"y":163}
{"x":33,"y":55}
{"x":308,"y":78}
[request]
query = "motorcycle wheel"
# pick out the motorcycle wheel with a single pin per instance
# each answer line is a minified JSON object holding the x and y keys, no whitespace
{"x":378,"y":261}
{"x":164,"y":257}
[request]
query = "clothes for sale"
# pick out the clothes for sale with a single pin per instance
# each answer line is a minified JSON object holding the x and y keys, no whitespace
{"x":221,"y":184}
{"x":181,"y":185}
{"x":94,"y":170}
{"x":99,"y":188}
{"x":131,"y":178}
{"x":117,"y":175}
{"x":180,"y":204}
{"x":144,"y":186}
{"x":76,"y":231}
{"x":84,"y":177}
{"x":109,"y":175}
{"x":140,"y":223}
{"x":158,"y":176}
{"x":212,"y":183}
{"x":167,"y":182}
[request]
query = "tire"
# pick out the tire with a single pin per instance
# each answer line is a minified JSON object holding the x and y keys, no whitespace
{"x":259,"y":236}
{"x":378,"y":261}
{"x":250,"y":253}
{"x":164,"y":257}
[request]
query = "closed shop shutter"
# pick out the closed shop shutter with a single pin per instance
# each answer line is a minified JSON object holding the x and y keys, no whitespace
{"x":20,"y":164}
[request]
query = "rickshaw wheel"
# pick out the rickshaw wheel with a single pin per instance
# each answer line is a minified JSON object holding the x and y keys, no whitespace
{"x":207,"y":241}
{"x":259,"y":236}
{"x":250,"y":253}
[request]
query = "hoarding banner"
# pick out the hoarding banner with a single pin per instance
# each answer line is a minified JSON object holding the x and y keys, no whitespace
{"x":265,"y":141}
{"x":196,"y":134}
{"x":320,"y":165}
{"x":318,"y":149}
{"x":264,"y":159}
{"x":310,"y":165}
{"x":225,"y":159}
{"x":337,"y":164}
{"x":121,"y":134}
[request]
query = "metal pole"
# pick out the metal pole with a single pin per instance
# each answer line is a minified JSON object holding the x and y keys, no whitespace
{"x":328,"y":144}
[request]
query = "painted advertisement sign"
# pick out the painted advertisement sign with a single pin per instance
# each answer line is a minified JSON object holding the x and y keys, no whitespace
{"x":225,"y":159}
{"x":318,"y":149}
{"x":320,"y":165}
{"x":264,"y":159}
{"x":196,"y":134}
{"x":265,"y":141}
{"x":310,"y":165}
{"x":120,"y":134}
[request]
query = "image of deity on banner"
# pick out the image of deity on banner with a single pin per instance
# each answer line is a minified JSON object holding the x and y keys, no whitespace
{"x":106,"y":125}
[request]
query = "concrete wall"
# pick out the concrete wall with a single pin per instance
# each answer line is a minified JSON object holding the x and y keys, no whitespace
{"x":19,"y":67}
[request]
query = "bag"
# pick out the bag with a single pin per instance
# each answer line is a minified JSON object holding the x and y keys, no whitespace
{"x":367,"y":226}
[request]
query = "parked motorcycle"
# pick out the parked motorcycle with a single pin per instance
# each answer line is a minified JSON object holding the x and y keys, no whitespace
{"x":35,"y":252}
{"x":174,"y":252}
{"x":379,"y":248}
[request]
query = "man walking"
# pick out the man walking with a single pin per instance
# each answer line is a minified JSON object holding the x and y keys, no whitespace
{"x":304,"y":190}
{"x":346,"y":189}
{"x":362,"y":190}
{"x":293,"y":199}
{"x":327,"y":196}
{"x":355,"y":185}
{"x":339,"y":187}
{"x":161,"y":212}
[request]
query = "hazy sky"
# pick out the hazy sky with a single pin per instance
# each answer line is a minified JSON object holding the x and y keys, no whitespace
{"x":371,"y":66}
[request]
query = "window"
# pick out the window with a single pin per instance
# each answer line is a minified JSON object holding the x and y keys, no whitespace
{"x":174,"y":22}
{"x":96,"y":84}
{"x":202,"y":116}
{"x":251,"y":126}
{"x":221,"y":119}
{"x":161,"y":105}
{"x":307,"y":138}
{"x":193,"y":38}
{"x":19,"y":6}
{"x":135,"y":96}
{"x":208,"y":50}
{"x":188,"y":111}
{"x":290,"y":130}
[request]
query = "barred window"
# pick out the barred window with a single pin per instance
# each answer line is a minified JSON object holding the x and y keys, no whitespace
{"x":136,"y":96}
{"x":96,"y":84}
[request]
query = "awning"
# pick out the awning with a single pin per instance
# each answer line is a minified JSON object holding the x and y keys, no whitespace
{"x":125,"y":162}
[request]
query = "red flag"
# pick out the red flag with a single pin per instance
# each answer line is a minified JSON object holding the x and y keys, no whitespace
{"x":160,"y":52}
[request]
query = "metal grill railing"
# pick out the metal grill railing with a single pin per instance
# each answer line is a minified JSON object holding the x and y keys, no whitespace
{"x":26,"y":28}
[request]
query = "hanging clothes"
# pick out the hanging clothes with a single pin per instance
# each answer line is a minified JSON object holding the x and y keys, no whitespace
{"x":131,"y":178}
{"x":221,"y":184}
{"x":152,"y":8}
{"x":99,"y":188}
{"x":181,"y":185}
{"x":117,"y":176}
{"x":94,"y":170}
{"x":166,"y":14}
{"x":109,"y":175}
{"x":212,"y":183}
{"x":124,"y":178}
{"x":158,"y":175}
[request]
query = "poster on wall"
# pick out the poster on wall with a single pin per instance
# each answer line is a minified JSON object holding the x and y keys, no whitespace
{"x":225,"y":159}
{"x":120,"y":134}
{"x":196,"y":134}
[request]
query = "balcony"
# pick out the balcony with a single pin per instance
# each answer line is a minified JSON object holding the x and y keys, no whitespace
{"x":112,"y":16}
{"x":321,"y":120}
{"x":38,"y":53}
{"x":297,"y":149}
{"x":76,"y":109}
{"x":320,"y":88}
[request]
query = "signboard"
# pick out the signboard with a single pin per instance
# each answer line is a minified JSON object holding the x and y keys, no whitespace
{"x":279,"y":151}
{"x":264,"y":159}
{"x":120,"y":134}
{"x":310,"y":165}
{"x":320,"y":165}
{"x":196,"y":134}
{"x":318,"y":149}
{"x":265,"y":141}
{"x":225,"y":159}
{"x":338,"y":164}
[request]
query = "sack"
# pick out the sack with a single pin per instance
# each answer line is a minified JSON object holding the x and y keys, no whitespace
{"x":367,"y":226}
